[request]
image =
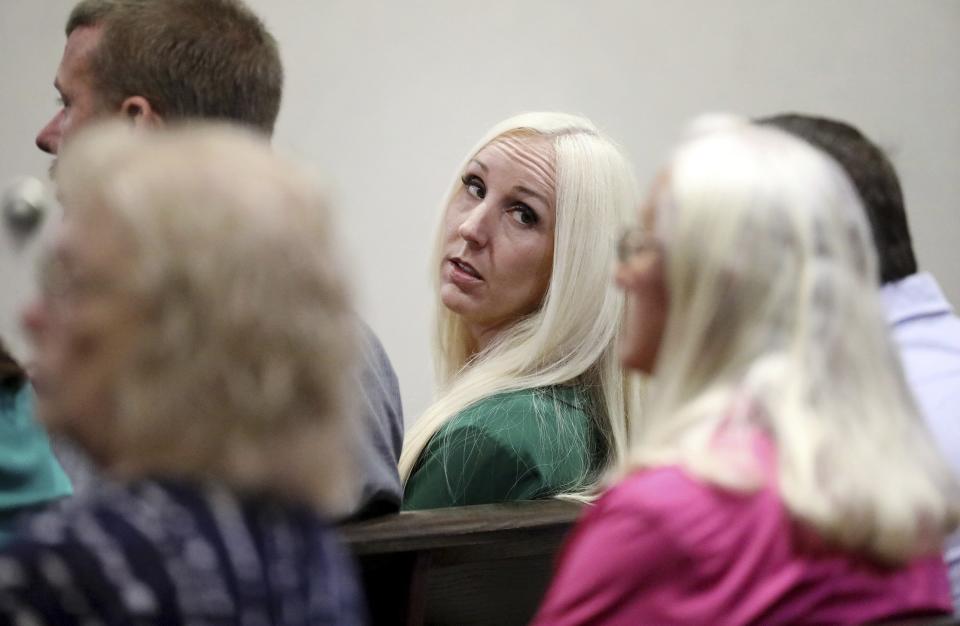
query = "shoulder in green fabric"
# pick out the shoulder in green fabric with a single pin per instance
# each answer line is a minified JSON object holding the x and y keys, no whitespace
{"x":521,"y":445}
{"x":29,"y":473}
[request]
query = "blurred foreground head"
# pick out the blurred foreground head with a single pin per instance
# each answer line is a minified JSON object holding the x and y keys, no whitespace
{"x":753,"y":244}
{"x":193,"y":319}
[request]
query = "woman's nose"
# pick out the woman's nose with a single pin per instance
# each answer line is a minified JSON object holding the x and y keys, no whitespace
{"x":474,"y":229}
{"x":33,"y":319}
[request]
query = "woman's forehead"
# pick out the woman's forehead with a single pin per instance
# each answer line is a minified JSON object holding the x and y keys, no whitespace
{"x":534,"y":155}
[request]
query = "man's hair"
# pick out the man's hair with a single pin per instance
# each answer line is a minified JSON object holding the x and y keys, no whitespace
{"x":188,"y":58}
{"x":875,"y":179}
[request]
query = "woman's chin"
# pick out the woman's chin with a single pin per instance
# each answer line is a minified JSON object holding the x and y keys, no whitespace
{"x":636,"y":358}
{"x":454,"y":299}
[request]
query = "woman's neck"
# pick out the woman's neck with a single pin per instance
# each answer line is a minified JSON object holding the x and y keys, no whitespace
{"x":481,"y":336}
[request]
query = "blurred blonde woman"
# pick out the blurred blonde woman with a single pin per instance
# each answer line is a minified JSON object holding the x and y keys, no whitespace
{"x":531,"y":401}
{"x":191,"y":335}
{"x":783,"y":475}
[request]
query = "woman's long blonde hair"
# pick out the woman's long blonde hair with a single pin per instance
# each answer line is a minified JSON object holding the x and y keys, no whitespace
{"x":571,"y":337}
{"x":772,"y":275}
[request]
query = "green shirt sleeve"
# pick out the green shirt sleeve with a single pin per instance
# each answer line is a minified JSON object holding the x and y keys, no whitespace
{"x":29,"y":472}
{"x":516,"y":446}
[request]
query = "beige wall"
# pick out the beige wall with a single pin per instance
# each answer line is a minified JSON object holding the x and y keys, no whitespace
{"x":385,"y":97}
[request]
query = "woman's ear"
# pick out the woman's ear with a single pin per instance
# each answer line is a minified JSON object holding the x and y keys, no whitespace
{"x":140,"y":112}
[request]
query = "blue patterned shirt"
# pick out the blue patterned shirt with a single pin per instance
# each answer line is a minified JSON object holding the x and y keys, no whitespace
{"x":171,"y":552}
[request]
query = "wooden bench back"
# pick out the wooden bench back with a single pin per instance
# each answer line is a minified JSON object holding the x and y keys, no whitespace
{"x":487,"y":564}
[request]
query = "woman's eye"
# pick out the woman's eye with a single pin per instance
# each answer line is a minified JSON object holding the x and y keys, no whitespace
{"x":524,"y":215}
{"x":474,"y":187}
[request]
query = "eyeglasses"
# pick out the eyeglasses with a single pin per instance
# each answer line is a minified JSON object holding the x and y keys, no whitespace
{"x":634,"y":240}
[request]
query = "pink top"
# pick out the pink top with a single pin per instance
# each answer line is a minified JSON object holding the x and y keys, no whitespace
{"x":662,"y":547}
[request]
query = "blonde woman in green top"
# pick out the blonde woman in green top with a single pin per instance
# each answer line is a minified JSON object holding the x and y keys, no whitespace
{"x":532,"y":402}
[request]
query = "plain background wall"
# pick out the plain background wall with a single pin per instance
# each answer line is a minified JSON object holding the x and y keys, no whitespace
{"x":386,"y":97}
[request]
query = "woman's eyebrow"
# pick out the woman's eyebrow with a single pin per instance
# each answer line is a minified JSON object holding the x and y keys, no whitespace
{"x":479,"y":164}
{"x":530,"y":192}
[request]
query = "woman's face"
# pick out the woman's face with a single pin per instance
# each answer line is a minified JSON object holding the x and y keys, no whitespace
{"x":641,"y":275}
{"x":82,"y":326}
{"x":498,"y":235}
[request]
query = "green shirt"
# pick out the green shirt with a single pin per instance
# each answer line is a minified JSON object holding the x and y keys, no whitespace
{"x":521,"y":445}
{"x":29,"y":473}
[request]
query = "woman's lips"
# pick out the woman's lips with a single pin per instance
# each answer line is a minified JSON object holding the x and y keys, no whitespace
{"x":463,"y":273}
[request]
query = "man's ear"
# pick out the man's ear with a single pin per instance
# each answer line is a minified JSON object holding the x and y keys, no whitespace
{"x":139,"y":111}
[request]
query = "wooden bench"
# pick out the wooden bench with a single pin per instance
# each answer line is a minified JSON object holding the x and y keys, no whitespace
{"x":487,"y":564}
